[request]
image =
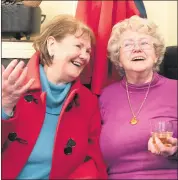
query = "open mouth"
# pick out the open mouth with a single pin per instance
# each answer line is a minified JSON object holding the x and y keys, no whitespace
{"x":139,"y":58}
{"x":75,"y":63}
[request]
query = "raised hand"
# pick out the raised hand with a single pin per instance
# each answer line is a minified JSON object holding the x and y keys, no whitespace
{"x":13,"y":86}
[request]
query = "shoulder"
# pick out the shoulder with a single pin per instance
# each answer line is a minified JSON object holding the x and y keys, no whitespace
{"x":110,"y":90}
{"x":167,"y":88}
{"x":86,"y":92}
{"x":170,"y":83}
{"x":89,"y":106}
{"x":86,"y":95}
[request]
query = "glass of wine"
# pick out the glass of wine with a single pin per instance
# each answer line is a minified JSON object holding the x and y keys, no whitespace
{"x":162,"y":130}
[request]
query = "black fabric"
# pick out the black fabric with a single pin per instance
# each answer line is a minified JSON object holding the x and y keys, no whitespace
{"x":140,"y":6}
{"x":169,"y":66}
{"x":20,"y":19}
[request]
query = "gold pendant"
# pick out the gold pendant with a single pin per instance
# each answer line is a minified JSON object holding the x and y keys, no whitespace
{"x":133,"y":121}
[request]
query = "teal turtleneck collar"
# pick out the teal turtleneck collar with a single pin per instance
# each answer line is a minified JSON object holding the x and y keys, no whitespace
{"x":55,"y":93}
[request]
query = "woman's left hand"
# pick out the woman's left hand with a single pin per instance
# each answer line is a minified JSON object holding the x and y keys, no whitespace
{"x":157,"y":147}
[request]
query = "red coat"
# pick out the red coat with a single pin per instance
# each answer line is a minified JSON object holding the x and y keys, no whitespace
{"x":82,"y":123}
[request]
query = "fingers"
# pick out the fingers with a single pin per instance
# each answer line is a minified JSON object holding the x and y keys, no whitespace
{"x":152,"y":147}
{"x":22,"y":77}
{"x":172,"y":140}
{"x":2,"y":69}
{"x":174,"y":150}
{"x":160,"y":145}
{"x":164,"y":150}
{"x":14,"y":76}
{"x":16,"y":72}
{"x":26,"y":86}
{"x":9,"y":69}
{"x":157,"y":147}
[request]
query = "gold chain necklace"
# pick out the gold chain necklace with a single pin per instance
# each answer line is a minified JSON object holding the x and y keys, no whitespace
{"x":134,"y":119}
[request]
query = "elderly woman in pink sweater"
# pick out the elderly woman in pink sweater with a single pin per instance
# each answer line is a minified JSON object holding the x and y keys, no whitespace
{"x":140,"y":104}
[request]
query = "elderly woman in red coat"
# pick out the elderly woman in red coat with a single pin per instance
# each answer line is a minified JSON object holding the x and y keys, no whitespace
{"x":50,"y":122}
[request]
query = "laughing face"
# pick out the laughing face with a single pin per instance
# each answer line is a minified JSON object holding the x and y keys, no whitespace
{"x":137,"y":52}
{"x":71,"y":55}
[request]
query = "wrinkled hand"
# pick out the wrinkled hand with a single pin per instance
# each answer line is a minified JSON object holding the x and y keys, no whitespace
{"x":13,"y":86}
{"x":157,"y":147}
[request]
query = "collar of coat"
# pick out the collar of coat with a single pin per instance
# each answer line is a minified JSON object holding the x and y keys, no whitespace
{"x":33,"y":72}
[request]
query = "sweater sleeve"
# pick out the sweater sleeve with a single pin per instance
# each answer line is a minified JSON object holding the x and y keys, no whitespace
{"x":4,"y":115}
{"x":7,"y":125}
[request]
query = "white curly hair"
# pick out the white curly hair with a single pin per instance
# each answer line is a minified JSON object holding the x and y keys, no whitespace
{"x":137,"y":24}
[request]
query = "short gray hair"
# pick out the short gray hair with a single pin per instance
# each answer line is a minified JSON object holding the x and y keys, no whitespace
{"x":141,"y":25}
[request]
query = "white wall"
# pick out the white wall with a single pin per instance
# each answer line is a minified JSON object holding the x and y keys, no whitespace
{"x":53,"y":8}
{"x":163,"y":13}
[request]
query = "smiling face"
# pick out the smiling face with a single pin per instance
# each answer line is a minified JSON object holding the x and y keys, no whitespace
{"x":70,"y":56}
{"x":137,"y":53}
